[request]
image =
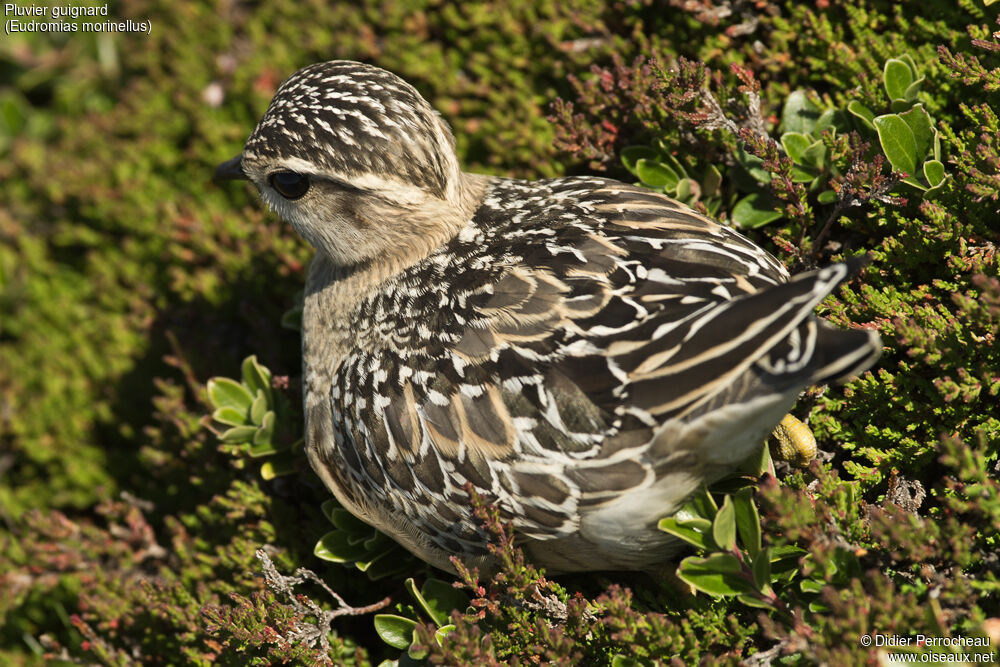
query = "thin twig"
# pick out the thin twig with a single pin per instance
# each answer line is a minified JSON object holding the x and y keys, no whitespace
{"x":308,"y":633}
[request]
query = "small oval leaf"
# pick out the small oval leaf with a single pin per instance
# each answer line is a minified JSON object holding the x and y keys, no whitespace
{"x":711,"y":180}
{"x":226,"y":393}
{"x":230,"y":417}
{"x":396,"y":631}
{"x":336,"y":548}
{"x":698,"y":538}
{"x":762,"y":569}
{"x":799,"y":113}
{"x":256,"y":377}
{"x":795,"y":144}
{"x":443,"y":632}
{"x":826,"y":197}
{"x":388,"y":563}
{"x":815,"y":155}
{"x":656,"y":174}
{"x":258,"y":408}
{"x":897,"y":77}
{"x":920,"y":123}
{"x":632,"y":154}
{"x":754,"y":210}
{"x":911,"y":92}
{"x":328,"y":507}
{"x":862,"y":113}
{"x":687,"y":189}
{"x":897,"y":142}
{"x":718,"y":575}
{"x":724,"y":526}
{"x":239,"y":434}
{"x":440,"y":598}
{"x":344,"y":520}
{"x":752,"y":601}
{"x":747,"y":520}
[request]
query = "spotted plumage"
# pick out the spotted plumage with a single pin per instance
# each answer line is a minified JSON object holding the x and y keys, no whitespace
{"x":583,"y":352}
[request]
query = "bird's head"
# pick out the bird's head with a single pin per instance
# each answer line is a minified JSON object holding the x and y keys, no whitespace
{"x":357,"y":162}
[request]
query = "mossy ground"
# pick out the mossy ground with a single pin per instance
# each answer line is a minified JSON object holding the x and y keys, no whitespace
{"x":127,"y":279}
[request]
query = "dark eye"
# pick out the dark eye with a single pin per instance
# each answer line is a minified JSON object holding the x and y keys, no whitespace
{"x":289,"y":184}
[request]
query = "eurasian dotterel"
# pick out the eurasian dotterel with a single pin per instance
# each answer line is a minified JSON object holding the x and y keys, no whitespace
{"x":583,"y":352}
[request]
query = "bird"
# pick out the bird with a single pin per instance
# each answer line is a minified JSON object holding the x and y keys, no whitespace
{"x":581,"y":353}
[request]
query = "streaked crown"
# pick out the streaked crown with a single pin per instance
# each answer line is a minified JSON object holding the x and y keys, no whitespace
{"x":354,"y":119}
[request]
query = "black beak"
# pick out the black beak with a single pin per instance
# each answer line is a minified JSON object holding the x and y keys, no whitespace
{"x":230,"y":170}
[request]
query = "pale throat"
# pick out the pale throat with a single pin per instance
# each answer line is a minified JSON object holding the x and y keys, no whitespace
{"x":333,"y":292}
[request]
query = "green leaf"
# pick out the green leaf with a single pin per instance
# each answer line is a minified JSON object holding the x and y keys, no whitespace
{"x":328,"y":507}
{"x":815,"y":155}
{"x":227,"y":393}
{"x":386,"y":564}
{"x":695,"y":536}
{"x":377,"y":542}
{"x":685,"y":187}
{"x":724,"y":526}
{"x":897,"y":142}
{"x":908,"y":59}
{"x":799,"y":113}
{"x":230,"y":416}
{"x":754,"y":166}
{"x":336,"y":547}
{"x":934,"y":173}
{"x":701,"y":503}
{"x":899,"y":106}
{"x":437,"y":598}
{"x":754,"y":210}
{"x":440,"y":598}
{"x":897,"y":77}
{"x":919,"y":122}
{"x":239,"y":434}
{"x":718,"y":575}
{"x":711,"y":181}
{"x":795,"y":144}
{"x":811,"y":585}
{"x":803,"y":174}
{"x":443,"y":632}
{"x":826,"y":197}
{"x":747,"y":520}
{"x":256,"y":377}
{"x":688,"y":520}
{"x":344,"y":520}
{"x":762,"y":570}
{"x":862,"y":113}
{"x":911,"y":92}
{"x":656,"y":174}
{"x":832,"y":119}
{"x":632,"y":154}
{"x":258,"y":408}
{"x":751,"y":601}
{"x":674,"y":164}
{"x":620,"y":660}
{"x":263,"y":439}
{"x":757,"y":463}
{"x":396,"y":631}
